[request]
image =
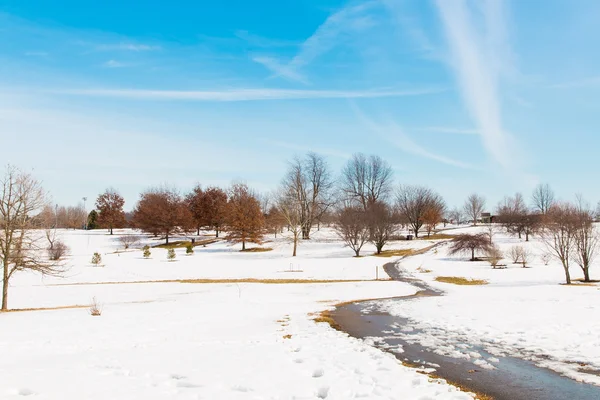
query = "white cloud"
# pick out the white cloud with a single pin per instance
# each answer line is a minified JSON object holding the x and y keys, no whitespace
{"x":477,"y":70}
{"x":125,"y":46}
{"x":243,"y":94}
{"x":114,"y":64}
{"x":347,"y":20}
{"x":441,"y":129}
{"x":394,"y":134}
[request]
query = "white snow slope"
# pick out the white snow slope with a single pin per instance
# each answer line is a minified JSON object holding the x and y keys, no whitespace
{"x":200,"y":341}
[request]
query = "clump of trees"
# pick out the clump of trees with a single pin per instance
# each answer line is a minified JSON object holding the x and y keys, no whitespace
{"x":162,"y":211}
{"x":208,"y":208}
{"x":353,"y":228}
{"x":570,"y":236}
{"x":416,"y":205}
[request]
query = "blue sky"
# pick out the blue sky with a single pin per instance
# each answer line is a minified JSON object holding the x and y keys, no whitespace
{"x":462,"y":96}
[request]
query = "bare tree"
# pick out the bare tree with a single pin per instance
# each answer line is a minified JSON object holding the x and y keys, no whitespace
{"x":309,"y":181}
{"x":110,"y":210}
{"x":129,"y":240}
{"x":58,"y":251}
{"x":467,"y":243}
{"x":412,"y":203}
{"x":353,"y":227}
{"x":367,"y":180}
{"x":455,"y":215}
{"x":21,"y":197}
{"x":474,"y":206}
{"x":289,"y":206}
{"x":542,"y":198}
{"x":559,"y":234}
{"x":381,"y":224}
{"x":49,"y":223}
{"x":586,"y":238}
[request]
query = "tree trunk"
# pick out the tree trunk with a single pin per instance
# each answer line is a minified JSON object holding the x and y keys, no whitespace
{"x":472,"y":254}
{"x":567,"y":275}
{"x":167,"y":237}
{"x":243,"y":245}
{"x":295,"y":244}
{"x":217,"y":230}
{"x":5,"y":289}
{"x":357,"y":253}
{"x":527,"y":236}
{"x":198,"y":233}
{"x":586,"y":274}
{"x":111,"y":230}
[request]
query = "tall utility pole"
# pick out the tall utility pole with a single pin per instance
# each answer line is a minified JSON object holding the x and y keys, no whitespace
{"x":85,"y":216}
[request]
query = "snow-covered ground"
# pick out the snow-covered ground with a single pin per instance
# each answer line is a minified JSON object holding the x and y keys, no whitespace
{"x":524,"y":312}
{"x":201,"y":341}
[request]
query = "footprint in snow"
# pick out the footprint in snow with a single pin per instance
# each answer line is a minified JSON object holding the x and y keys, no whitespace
{"x":317,"y":373}
{"x":323,"y":392}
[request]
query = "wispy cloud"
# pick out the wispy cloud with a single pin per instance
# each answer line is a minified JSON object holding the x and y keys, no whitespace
{"x":242,"y":94}
{"x":394,"y":134}
{"x":577,"y":83}
{"x":260,"y":41}
{"x":114,"y":64}
{"x":477,"y":70}
{"x":441,"y":129}
{"x":36,"y":53}
{"x":125,"y":46}
{"x":349,"y":19}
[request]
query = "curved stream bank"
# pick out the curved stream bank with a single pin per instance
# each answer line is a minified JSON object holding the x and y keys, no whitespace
{"x":513,"y":378}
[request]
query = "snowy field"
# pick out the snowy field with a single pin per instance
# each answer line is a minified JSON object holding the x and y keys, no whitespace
{"x":201,"y":341}
{"x":525,"y":312}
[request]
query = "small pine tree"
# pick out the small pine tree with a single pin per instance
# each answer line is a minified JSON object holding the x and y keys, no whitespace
{"x":146,"y":251}
{"x":171,"y":255}
{"x":96,"y":259}
{"x":189,"y":249}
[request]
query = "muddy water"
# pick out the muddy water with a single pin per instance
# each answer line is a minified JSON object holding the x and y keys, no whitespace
{"x":513,"y":378}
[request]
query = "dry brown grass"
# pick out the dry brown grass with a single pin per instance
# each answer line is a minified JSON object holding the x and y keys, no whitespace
{"x":257,"y":250}
{"x":457,"y":280}
{"x":47,"y":308}
{"x":209,"y":281}
{"x":437,"y":236}
{"x":395,"y":253}
{"x":287,"y":336}
{"x":325,"y":316}
{"x":95,"y":308}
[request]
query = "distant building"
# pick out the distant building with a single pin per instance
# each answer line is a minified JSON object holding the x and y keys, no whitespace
{"x":487,"y":218}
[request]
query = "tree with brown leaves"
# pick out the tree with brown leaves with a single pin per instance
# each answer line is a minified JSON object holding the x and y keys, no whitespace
{"x":21,"y":198}
{"x":162,"y":211}
{"x":245,"y":220}
{"x":110,"y":210}
{"x":214,"y":206}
